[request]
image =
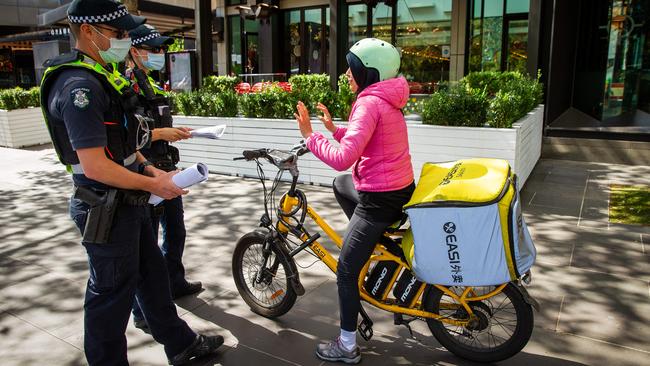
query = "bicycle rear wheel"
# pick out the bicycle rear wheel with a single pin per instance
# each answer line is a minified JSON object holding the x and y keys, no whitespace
{"x":261,"y":276}
{"x":503,"y":324}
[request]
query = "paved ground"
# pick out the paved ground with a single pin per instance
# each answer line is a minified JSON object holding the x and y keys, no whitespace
{"x":592,"y":278}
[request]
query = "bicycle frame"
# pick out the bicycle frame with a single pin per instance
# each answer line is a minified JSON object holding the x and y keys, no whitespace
{"x":288,"y":202}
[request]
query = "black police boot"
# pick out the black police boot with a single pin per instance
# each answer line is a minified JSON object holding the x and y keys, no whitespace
{"x":142,"y":325}
{"x":203,"y":345}
{"x":188,"y":289}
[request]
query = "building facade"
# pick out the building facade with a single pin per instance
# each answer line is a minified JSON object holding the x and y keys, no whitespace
{"x":593,"y":56}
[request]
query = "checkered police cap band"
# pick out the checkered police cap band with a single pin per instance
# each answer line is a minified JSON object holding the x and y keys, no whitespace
{"x":97,"y":19}
{"x":148,"y":37}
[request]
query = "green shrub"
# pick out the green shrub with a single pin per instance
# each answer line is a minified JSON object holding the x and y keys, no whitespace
{"x":206,"y":104}
{"x":272,"y":102}
{"x":345,"y":98}
{"x":219,"y":84}
{"x":504,"y":109}
{"x":18,"y":98}
{"x":308,"y":88}
{"x":457,"y":106}
{"x":230,"y":104}
{"x":517,"y":97}
{"x":491,"y":81}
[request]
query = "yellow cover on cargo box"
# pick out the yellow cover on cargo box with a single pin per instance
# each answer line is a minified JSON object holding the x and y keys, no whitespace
{"x":470,"y":180}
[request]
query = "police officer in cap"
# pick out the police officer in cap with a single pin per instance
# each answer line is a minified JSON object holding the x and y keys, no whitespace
{"x":148,"y":54}
{"x":89,"y":110}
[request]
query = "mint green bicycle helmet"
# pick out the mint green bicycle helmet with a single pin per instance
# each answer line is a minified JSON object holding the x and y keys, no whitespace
{"x":379,"y":55}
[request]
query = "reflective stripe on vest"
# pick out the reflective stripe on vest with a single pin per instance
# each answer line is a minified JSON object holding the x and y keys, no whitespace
{"x":115,"y":79}
{"x":156,"y":88}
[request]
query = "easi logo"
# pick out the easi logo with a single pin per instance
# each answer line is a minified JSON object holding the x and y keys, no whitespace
{"x":452,"y":251}
{"x":408,"y":289}
{"x":383,"y":274}
{"x":450,"y":174}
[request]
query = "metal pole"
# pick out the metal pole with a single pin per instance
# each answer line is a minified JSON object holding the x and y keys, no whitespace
{"x":203,"y":28}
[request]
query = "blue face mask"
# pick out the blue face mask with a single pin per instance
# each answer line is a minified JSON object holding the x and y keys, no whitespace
{"x":155,"y":61}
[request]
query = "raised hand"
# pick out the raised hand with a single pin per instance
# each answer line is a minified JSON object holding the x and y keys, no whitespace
{"x":326,"y":118}
{"x":302,"y":117}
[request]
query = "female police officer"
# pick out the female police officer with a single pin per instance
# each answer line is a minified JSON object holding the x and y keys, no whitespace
{"x":148,"y":54}
{"x":90,"y":118}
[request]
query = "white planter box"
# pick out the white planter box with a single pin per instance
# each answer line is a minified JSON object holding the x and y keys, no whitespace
{"x":23,"y":127}
{"x":520,"y":145}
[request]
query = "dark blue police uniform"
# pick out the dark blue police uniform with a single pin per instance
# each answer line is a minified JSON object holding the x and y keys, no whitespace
{"x":87,"y":106}
{"x":130,"y":262}
{"x":165,"y":157}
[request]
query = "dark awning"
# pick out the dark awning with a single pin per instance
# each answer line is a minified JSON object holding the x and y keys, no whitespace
{"x":42,"y":35}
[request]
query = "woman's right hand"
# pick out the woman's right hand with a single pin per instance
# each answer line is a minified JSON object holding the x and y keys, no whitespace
{"x":326,"y":118}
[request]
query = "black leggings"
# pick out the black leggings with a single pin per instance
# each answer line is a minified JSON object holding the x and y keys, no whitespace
{"x":358,"y":244}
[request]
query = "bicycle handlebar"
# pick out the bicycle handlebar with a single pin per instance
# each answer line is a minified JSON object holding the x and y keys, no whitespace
{"x":275,"y":157}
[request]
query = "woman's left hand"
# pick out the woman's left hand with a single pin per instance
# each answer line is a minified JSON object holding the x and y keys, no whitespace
{"x":304,"y":122}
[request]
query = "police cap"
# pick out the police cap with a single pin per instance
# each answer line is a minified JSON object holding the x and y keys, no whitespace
{"x":109,"y":12}
{"x":147,"y":35}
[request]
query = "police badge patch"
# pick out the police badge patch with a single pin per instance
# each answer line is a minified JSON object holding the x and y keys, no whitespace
{"x":80,"y":98}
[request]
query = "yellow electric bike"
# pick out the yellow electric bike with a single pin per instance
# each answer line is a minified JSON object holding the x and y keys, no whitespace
{"x":483,"y":324}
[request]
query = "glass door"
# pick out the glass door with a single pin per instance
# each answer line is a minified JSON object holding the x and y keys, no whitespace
{"x":627,"y":74}
{"x":251,"y":65}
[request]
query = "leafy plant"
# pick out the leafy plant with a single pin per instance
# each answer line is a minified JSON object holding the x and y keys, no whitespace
{"x":345,"y":98}
{"x":506,"y":97}
{"x":18,"y":98}
{"x":178,"y":45}
{"x":457,"y":106}
{"x":206,"y":104}
{"x":308,"y":88}
{"x":219,"y":84}
{"x":272,"y":102}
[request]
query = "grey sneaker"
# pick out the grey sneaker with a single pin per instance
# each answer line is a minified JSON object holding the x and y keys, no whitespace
{"x":334,"y":352}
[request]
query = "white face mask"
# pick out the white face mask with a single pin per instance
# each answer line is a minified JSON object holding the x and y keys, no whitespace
{"x":117,"y":51}
{"x":154,"y":61}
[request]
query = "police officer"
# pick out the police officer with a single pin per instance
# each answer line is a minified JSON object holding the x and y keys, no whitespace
{"x":148,"y":54}
{"x":89,"y":111}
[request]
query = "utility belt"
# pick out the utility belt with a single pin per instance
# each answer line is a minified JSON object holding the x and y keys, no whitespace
{"x":166,"y":160}
{"x":103,"y":205}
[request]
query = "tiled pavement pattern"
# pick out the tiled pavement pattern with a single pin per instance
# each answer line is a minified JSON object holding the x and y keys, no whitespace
{"x":591,"y":278}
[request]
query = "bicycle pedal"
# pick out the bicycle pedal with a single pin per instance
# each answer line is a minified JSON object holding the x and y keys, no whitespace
{"x":365,"y":330}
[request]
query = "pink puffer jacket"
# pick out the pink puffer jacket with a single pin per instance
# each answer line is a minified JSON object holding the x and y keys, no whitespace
{"x":375,"y":142}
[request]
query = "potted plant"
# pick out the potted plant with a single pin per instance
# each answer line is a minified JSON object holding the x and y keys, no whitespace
{"x":21,"y":120}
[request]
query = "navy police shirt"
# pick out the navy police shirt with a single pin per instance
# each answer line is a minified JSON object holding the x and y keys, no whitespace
{"x":79,"y":101}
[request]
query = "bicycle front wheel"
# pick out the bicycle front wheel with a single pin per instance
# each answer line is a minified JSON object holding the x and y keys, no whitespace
{"x":261,"y":276}
{"x":502,"y":326}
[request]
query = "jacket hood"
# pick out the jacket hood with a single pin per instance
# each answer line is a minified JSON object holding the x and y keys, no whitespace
{"x":395,"y":91}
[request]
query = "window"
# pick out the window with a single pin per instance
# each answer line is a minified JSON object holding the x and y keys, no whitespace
{"x":423,"y":34}
{"x":234,"y":32}
{"x":382,"y":22}
{"x":498,"y":35}
{"x":244,"y":50}
{"x":306,"y":40}
{"x":292,"y":37}
{"x":357,"y":23}
{"x":314,"y":37}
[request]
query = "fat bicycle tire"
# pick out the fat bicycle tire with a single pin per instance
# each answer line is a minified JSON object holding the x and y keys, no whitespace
{"x":245,"y":267}
{"x":449,"y":336}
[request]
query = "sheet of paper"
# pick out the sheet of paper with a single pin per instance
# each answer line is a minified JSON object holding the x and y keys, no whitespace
{"x":195,"y":174}
{"x":213,"y":132}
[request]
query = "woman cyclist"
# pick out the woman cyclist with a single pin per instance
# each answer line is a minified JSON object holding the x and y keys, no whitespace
{"x":375,"y":145}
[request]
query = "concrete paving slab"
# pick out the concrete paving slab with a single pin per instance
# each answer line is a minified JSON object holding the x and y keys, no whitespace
{"x":590,"y":277}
